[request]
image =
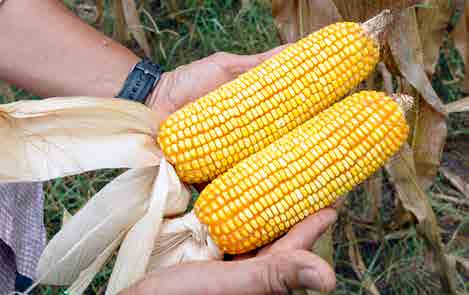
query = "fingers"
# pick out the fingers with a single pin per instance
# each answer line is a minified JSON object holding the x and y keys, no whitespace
{"x":304,"y":234}
{"x":270,"y":274}
{"x":248,"y":62}
{"x":238,"y":64}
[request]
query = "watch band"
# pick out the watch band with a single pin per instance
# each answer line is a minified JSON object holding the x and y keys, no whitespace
{"x":141,"y":80}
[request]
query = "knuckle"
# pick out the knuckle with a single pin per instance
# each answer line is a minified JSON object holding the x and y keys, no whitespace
{"x":221,"y":55}
{"x":226,"y":61}
{"x":273,"y":277}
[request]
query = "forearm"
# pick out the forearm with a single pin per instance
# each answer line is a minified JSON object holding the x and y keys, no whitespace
{"x":47,"y":50}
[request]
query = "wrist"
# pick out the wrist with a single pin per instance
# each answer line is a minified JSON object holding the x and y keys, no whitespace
{"x":141,"y":81}
{"x":159,"y":99}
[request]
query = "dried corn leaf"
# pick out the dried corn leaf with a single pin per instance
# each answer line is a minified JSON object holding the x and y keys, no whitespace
{"x":99,"y":11}
{"x":402,"y":172}
{"x":134,"y":254}
{"x":296,"y":19}
{"x":412,"y":197}
{"x":362,"y":10}
{"x":181,"y":18}
{"x":406,"y":48}
{"x":456,"y":180}
{"x":462,"y":264}
{"x":461,"y":40}
{"x":358,"y":264}
{"x":373,"y":188}
{"x":433,"y":19}
{"x":460,"y":105}
{"x":454,"y":200}
{"x":429,"y":130}
{"x":428,"y":141}
{"x":88,"y":233}
{"x":134,"y":25}
{"x":57,"y":137}
{"x":120,"y":30}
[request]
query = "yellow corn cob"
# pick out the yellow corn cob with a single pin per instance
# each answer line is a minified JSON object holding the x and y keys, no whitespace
{"x":264,"y":195}
{"x":207,"y":137}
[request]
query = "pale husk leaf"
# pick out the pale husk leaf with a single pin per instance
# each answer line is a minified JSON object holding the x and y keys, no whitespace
{"x":66,"y":216}
{"x":87,"y":234}
{"x":134,"y":254}
{"x":56,"y":137}
{"x":86,"y":276}
{"x":181,"y":240}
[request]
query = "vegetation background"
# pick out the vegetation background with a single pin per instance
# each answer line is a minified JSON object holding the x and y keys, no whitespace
{"x":379,"y":245}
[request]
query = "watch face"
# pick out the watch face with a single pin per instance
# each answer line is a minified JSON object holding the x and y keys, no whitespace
{"x":141,"y":81}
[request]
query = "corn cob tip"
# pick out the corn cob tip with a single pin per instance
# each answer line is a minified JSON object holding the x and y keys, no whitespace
{"x":377,"y":24}
{"x":406,"y":102}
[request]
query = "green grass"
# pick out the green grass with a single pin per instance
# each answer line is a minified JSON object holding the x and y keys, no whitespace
{"x":199,"y":28}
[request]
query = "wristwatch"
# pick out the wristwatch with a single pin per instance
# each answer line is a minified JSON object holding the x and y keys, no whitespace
{"x":141,"y":81}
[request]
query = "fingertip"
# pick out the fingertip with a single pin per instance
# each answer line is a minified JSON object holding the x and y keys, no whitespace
{"x":328,"y":215}
{"x":244,"y":63}
{"x":268,"y":54}
{"x":304,"y":234}
{"x":321,"y":220}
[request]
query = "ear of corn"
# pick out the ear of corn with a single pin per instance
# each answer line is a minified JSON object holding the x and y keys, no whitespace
{"x":207,"y":137}
{"x":306,"y":170}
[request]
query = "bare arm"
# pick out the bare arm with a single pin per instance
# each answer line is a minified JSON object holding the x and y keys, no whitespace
{"x":47,"y":50}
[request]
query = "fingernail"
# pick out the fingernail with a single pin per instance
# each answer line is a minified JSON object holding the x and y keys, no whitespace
{"x":309,"y":278}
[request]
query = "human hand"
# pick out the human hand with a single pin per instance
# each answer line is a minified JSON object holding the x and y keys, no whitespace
{"x":189,"y":82}
{"x":275,"y":269}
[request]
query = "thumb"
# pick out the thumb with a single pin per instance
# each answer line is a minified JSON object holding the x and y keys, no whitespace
{"x":268,"y":274}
